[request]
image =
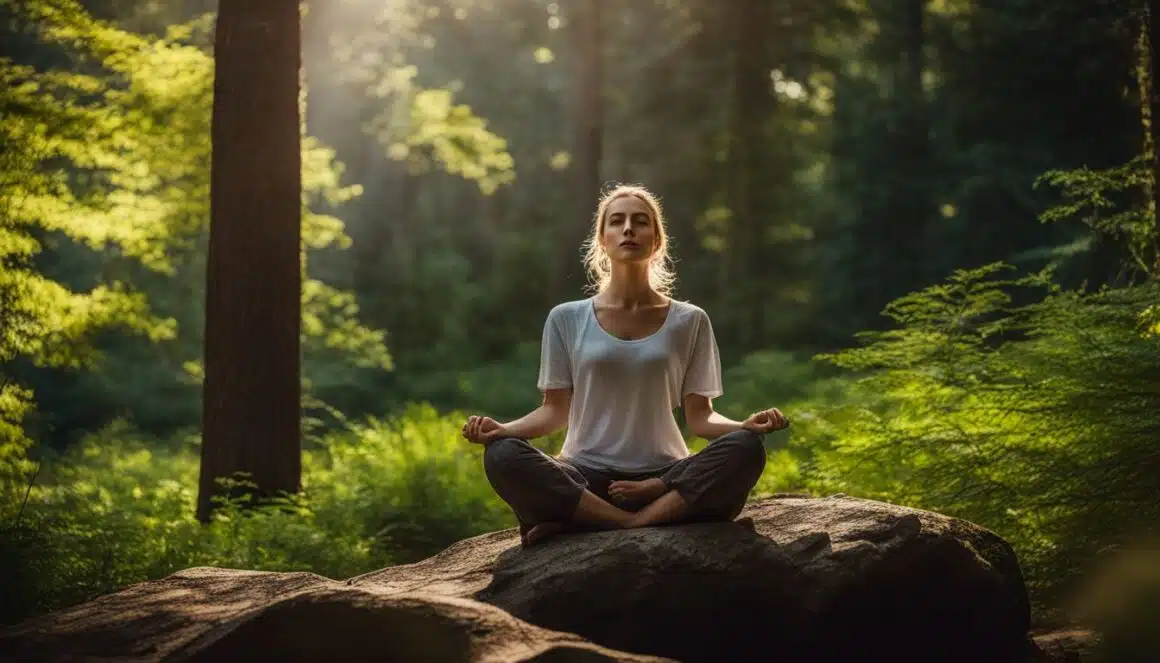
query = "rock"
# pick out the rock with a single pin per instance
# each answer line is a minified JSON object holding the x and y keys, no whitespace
{"x":203,"y":615}
{"x":1065,"y":646}
{"x":830,"y":579}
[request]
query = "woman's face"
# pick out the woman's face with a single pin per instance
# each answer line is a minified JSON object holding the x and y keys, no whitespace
{"x":629,"y":232}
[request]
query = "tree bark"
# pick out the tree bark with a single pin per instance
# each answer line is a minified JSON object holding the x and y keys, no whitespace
{"x":588,"y":42}
{"x":751,"y":169}
{"x":252,"y":393}
{"x":1149,"y":107}
{"x":896,"y":240}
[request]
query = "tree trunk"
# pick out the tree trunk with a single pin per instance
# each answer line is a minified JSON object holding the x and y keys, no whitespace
{"x":750,"y":171}
{"x":1149,"y":107}
{"x":900,"y":234}
{"x":588,"y":45}
{"x":251,"y":401}
{"x":915,"y":206}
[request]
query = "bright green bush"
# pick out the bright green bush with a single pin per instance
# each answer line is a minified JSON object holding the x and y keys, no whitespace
{"x":119,"y":509}
{"x":411,"y":482}
{"x":1038,"y":421}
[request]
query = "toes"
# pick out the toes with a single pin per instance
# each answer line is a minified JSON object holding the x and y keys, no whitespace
{"x":543,"y":531}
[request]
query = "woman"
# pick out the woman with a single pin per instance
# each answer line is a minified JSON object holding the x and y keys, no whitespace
{"x":613,"y":368}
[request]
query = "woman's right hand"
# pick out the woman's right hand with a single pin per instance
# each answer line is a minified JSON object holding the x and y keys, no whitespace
{"x":482,"y":430}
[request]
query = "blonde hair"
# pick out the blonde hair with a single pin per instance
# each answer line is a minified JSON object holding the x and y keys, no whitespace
{"x":661,"y":275}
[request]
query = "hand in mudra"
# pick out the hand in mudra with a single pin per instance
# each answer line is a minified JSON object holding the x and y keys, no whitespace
{"x":482,"y":430}
{"x":765,"y":421}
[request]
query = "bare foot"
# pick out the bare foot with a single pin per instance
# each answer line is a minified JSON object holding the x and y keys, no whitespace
{"x":537,"y":533}
{"x":636,"y":492}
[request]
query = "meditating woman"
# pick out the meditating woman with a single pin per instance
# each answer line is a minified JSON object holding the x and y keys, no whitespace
{"x":613,"y":368}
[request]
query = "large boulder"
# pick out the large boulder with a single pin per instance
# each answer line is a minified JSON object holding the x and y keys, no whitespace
{"x":206,"y":615}
{"x":821,"y":579}
{"x":815,"y":579}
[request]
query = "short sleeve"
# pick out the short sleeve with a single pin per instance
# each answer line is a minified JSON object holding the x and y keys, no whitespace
{"x":555,"y":362}
{"x":703,"y":374}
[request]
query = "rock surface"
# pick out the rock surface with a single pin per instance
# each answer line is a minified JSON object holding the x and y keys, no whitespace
{"x":830,"y":579}
{"x":821,"y":579}
{"x":222,"y":616}
{"x":1065,"y":646}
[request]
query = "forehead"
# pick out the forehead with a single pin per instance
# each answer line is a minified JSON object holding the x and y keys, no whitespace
{"x":628,"y":205}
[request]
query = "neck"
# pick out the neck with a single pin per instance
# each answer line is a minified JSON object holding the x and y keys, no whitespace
{"x":629,"y":286}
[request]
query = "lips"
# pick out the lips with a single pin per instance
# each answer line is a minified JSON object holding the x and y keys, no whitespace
{"x":629,"y":243}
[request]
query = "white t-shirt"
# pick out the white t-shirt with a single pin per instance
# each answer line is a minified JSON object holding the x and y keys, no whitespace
{"x":624,"y":392}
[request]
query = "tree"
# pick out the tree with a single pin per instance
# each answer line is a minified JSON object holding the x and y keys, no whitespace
{"x":251,"y":400}
{"x":752,"y":161}
{"x":1150,"y":105}
{"x":589,"y":138}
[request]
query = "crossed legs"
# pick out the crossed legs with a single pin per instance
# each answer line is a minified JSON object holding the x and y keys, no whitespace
{"x":710,"y":485}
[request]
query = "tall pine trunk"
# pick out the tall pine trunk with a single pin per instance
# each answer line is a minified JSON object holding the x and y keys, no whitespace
{"x":1149,"y":107}
{"x":890,"y":243}
{"x":1153,"y":27}
{"x":750,"y":170}
{"x":914,"y":208}
{"x":251,"y":399}
{"x":588,"y":42}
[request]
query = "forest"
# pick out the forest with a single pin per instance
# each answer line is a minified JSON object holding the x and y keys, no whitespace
{"x":925,"y":230}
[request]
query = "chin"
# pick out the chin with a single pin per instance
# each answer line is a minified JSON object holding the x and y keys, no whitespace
{"x":630,"y":258}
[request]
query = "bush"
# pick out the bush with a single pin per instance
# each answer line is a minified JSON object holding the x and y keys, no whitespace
{"x":119,"y":509}
{"x":1038,"y":421}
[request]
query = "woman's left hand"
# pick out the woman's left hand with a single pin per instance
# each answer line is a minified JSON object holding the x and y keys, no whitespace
{"x":765,"y":421}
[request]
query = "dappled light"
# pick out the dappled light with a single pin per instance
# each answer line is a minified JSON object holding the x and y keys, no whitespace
{"x":915,"y":249}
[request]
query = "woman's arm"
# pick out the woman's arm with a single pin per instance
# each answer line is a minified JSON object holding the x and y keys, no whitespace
{"x":707,"y":423}
{"x":551,"y":416}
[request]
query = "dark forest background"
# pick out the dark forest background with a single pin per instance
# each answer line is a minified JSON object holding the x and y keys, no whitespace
{"x":924,"y":229}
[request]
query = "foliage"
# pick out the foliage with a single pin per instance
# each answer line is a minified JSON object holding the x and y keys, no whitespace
{"x":119,"y":509}
{"x":131,"y":132}
{"x":1008,"y":399}
{"x":1035,"y":420}
{"x":1099,"y":197}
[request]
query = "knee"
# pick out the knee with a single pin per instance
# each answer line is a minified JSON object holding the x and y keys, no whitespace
{"x":749,"y":447}
{"x":501,"y":455}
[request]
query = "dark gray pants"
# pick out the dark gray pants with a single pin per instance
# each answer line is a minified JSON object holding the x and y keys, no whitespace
{"x":715,"y":482}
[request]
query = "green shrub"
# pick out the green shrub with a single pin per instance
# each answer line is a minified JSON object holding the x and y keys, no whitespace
{"x":119,"y":509}
{"x":1038,"y":421}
